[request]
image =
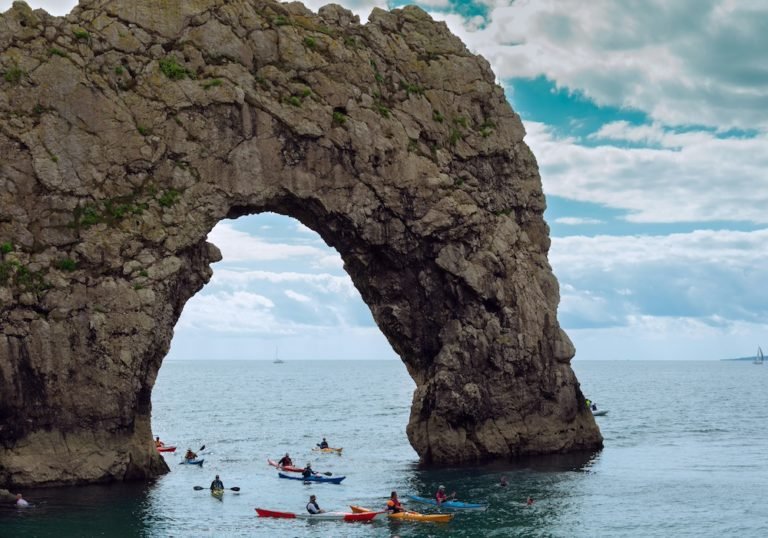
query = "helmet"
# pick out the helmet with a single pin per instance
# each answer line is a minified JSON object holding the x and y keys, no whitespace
{"x":441,"y":487}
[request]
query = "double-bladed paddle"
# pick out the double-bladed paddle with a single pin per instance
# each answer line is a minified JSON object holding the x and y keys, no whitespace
{"x":198,"y":488}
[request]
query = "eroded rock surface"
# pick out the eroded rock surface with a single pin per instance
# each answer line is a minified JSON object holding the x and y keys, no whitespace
{"x":131,"y":127}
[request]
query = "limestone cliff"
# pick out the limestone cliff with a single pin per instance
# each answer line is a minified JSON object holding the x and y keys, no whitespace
{"x":129,"y":128}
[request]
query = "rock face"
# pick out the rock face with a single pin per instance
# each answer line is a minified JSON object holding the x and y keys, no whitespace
{"x":130,"y":128}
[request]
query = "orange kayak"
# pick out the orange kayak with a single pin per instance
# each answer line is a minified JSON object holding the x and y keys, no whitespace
{"x":410,"y":516}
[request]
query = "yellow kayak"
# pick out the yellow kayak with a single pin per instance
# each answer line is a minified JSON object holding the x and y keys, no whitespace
{"x":410,"y":516}
{"x":328,"y":450}
{"x":218,"y":493}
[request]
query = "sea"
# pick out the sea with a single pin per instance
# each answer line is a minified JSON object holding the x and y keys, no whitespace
{"x":686,"y":454}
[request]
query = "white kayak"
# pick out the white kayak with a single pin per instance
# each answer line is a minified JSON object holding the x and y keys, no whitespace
{"x":600,"y":412}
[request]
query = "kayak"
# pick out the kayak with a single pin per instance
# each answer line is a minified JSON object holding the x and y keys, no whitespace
{"x":408,"y":516}
{"x":289,"y":468}
{"x":192,"y":462}
{"x":329,"y":450}
{"x":600,"y":413}
{"x":315,"y":478}
{"x":455,"y":505}
{"x":166,"y":449}
{"x":325,"y":516}
{"x":218,"y":493}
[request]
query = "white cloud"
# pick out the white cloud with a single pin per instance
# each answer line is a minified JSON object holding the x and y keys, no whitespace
{"x":238,"y":246}
{"x":707,"y":179}
{"x":575,"y":221}
{"x":684,"y":62}
{"x":722,"y":248}
{"x":231,"y":312}
{"x":323,"y":282}
{"x":610,"y":281}
{"x":668,"y":338}
{"x":301,"y":298}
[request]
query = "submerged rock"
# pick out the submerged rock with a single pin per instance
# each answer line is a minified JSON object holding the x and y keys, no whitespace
{"x":131,"y":127}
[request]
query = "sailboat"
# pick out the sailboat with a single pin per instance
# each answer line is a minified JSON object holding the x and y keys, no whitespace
{"x":759,"y":357}
{"x":277,"y":360}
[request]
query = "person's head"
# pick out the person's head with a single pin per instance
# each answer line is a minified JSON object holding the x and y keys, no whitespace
{"x":308,"y":465}
{"x":217,"y":477}
{"x":157,"y":437}
{"x":312,"y":498}
{"x":286,"y":455}
{"x":441,"y":488}
{"x":323,"y":438}
{"x":393,"y":495}
{"x":18,"y":496}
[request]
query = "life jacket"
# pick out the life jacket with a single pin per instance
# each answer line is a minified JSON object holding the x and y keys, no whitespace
{"x":394,"y":506}
{"x":316,"y":508}
{"x":306,"y":473}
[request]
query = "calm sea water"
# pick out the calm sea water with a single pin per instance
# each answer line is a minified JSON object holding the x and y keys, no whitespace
{"x":686,"y":454}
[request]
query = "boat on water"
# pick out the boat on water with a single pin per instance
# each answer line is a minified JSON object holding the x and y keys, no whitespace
{"x":166,"y":449}
{"x":453,"y":505}
{"x":408,"y":516}
{"x":218,"y":494}
{"x":314,"y":478}
{"x":288,"y":468}
{"x":192,"y":462}
{"x":329,"y":450}
{"x":325,"y":516}
{"x":758,"y":356}
{"x":599,"y":412}
{"x":277,"y":360}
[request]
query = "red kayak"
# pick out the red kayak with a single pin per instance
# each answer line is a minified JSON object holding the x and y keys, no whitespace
{"x":325,"y":516}
{"x":166,"y":449}
{"x":290,"y":468}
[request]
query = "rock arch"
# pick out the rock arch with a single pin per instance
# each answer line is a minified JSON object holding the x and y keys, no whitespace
{"x":131,"y":127}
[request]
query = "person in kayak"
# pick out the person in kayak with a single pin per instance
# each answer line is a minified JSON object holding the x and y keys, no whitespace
{"x":323,"y":443}
{"x":217,"y":483}
{"x":503,"y":482}
{"x":190,"y":455}
{"x":308,"y":472}
{"x":20,"y":501}
{"x":313,"y":507}
{"x":393,"y":504}
{"x":441,"y":497}
{"x":285,"y":461}
{"x":529,"y":501}
{"x":158,"y":442}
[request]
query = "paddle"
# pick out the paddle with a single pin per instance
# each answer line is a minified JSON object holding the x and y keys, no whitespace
{"x":198,"y":488}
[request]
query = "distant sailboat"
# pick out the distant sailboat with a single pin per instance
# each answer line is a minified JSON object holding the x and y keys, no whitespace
{"x":277,"y":360}
{"x":759,"y":357}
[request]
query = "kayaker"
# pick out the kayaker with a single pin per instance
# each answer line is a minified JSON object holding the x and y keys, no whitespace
{"x":20,"y":501}
{"x":285,"y":461}
{"x":313,"y":507}
{"x":594,"y":406}
{"x":503,"y":482}
{"x":393,"y":504}
{"x":158,"y":442}
{"x":441,"y":497}
{"x":190,"y":455}
{"x":217,"y":483}
{"x":307,"y":472}
{"x":529,"y":501}
{"x":323,"y":443}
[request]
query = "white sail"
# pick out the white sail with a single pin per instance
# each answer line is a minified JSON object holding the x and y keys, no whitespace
{"x":759,"y":356}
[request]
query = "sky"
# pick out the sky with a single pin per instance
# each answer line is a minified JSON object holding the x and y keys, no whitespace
{"x":649,"y":121}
